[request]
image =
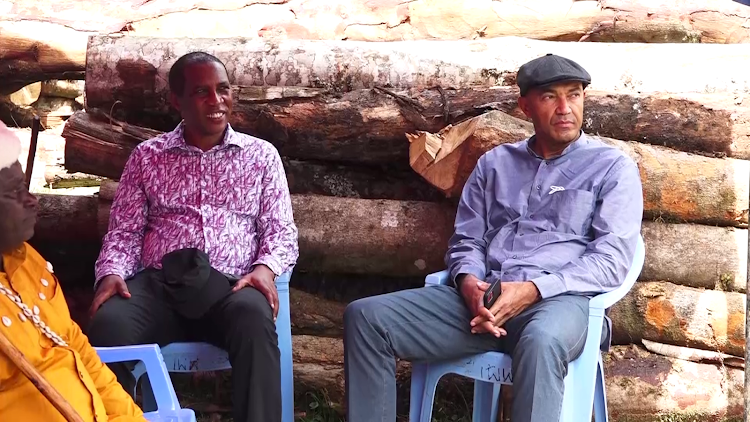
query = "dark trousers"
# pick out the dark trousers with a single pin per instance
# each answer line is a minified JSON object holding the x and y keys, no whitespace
{"x":242,"y":324}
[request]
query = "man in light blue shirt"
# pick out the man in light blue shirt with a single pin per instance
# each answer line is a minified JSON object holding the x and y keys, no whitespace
{"x":555,"y":218}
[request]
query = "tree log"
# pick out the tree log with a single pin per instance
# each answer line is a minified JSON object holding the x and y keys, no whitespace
{"x":66,"y":217}
{"x":681,"y":316}
{"x":32,"y":51}
{"x":45,"y":39}
{"x":695,"y":255}
{"x":97,"y":147}
{"x":693,"y":355}
{"x":674,"y":252}
{"x":676,"y":186}
{"x":134,"y":70}
{"x":646,"y":387}
{"x":368,"y":126}
{"x":64,"y":89}
{"x":361,"y":236}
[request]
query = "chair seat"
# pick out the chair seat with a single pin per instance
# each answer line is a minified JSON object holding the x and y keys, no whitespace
{"x":182,"y":415}
{"x":494,"y":367}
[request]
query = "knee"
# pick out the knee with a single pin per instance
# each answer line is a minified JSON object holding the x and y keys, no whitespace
{"x":108,"y":328}
{"x":359,"y":311}
{"x":541,"y":344}
{"x":251,"y":314}
{"x":362,"y":315}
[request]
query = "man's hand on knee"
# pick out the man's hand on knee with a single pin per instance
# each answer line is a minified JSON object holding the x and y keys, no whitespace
{"x":515,"y":298}
{"x":261,"y":278}
{"x":107,"y":288}
{"x":472,"y":290}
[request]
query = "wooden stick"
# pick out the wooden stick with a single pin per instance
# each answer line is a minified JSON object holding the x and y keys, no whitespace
{"x":38,"y":380}
{"x":32,"y":150}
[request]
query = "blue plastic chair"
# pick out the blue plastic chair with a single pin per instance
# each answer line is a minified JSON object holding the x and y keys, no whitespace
{"x":168,"y":407}
{"x":200,"y":357}
{"x":584,"y":383}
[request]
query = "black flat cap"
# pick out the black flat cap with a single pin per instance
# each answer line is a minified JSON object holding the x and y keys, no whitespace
{"x":549,"y":69}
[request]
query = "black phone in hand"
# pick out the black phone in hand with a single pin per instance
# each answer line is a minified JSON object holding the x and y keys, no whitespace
{"x":491,"y":295}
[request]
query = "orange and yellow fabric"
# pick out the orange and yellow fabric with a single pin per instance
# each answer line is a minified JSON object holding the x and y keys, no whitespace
{"x":34,"y":316}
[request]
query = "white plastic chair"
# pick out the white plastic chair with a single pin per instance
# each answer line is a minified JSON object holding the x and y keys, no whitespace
{"x":584,"y":383}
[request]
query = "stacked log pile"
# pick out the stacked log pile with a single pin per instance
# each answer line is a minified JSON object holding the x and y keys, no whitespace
{"x":42,"y":39}
{"x":377,"y":139}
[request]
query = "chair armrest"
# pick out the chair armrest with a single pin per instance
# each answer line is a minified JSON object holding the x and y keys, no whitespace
{"x":606,"y":300}
{"x":441,"y":278}
{"x":150,"y":355}
{"x":282,"y":281}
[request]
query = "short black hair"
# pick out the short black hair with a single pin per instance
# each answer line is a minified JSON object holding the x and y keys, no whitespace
{"x":177,"y":72}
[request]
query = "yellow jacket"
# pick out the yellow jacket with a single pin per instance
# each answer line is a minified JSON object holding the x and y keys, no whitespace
{"x":74,"y":370}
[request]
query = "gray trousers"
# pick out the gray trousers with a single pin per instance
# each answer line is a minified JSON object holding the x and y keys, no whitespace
{"x":432,"y":323}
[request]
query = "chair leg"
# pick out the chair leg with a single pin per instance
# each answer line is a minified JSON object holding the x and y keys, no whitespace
{"x":416,"y":393}
{"x":486,"y":399}
{"x":600,"y":396}
{"x":428,"y":394}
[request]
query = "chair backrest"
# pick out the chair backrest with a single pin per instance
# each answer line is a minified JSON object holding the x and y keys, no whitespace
{"x":606,"y":300}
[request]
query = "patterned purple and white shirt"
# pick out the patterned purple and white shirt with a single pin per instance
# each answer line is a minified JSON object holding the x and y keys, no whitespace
{"x":231,"y":202}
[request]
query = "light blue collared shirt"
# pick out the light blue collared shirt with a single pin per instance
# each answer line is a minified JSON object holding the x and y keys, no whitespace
{"x":569,"y":224}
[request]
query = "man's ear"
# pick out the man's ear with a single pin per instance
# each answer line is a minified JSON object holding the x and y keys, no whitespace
{"x":174,"y":101}
{"x":523,"y":104}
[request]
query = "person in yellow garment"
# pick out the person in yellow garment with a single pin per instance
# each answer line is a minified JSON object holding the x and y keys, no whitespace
{"x":35,"y":318}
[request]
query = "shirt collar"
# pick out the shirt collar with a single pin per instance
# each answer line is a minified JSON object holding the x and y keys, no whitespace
{"x":13,"y":260}
{"x":582,"y":139}
{"x":175,"y":138}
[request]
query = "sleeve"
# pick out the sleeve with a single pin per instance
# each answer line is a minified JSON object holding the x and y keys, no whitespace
{"x":277,"y":233}
{"x":616,"y":224}
{"x":467,"y":246}
{"x":123,"y":244}
{"x":118,"y":404}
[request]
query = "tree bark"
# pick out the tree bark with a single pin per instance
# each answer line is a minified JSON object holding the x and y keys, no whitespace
{"x":97,"y":147}
{"x":360,"y":236}
{"x":677,"y":186}
{"x":46,"y":39}
{"x":32,"y":51}
{"x":66,"y":217}
{"x":695,"y":255}
{"x":134,"y":70}
{"x":368,"y":126}
{"x":647,"y":387}
{"x":681,"y":316}
{"x":674,"y":252}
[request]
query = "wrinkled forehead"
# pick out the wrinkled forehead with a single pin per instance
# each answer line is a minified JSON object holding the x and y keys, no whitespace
{"x":11,"y":177}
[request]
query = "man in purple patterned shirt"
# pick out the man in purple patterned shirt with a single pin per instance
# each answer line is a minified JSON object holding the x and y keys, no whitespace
{"x":201,"y":187}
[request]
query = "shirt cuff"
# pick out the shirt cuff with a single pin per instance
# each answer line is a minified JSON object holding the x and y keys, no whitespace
{"x":270,"y":262}
{"x":474,"y":270}
{"x":549,"y":285}
{"x":104,"y":273}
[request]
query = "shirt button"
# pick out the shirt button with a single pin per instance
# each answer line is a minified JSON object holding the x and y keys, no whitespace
{"x":538,"y":187}
{"x":520,"y":234}
{"x":42,"y":296}
{"x":515,"y":256}
{"x":45,"y":283}
{"x":6,"y":321}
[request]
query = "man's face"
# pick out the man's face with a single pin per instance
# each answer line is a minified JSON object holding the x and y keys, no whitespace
{"x":206,"y":101}
{"x":17,"y":207}
{"x":556,"y":110}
